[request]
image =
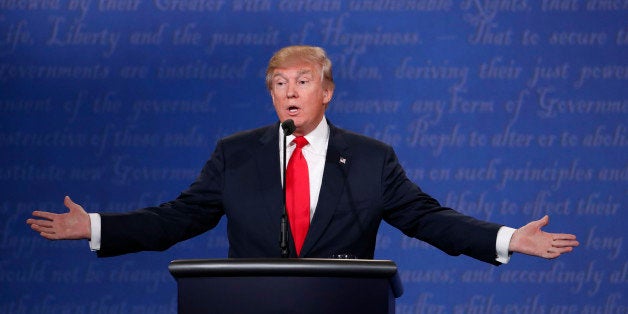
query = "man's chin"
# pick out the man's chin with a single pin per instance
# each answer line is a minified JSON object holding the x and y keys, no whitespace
{"x":300,"y":130}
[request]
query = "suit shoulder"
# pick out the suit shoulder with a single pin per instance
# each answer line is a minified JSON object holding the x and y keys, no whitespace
{"x":247,"y":136}
{"x":356,"y":139}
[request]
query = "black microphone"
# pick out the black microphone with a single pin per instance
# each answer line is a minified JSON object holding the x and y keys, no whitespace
{"x":288,"y":128}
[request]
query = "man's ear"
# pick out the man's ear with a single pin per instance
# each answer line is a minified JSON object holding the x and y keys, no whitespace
{"x":327,"y":94}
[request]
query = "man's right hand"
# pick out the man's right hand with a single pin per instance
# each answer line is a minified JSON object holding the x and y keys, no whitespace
{"x":72,"y":225}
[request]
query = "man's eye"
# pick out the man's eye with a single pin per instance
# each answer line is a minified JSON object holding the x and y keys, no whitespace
{"x":303,"y":82}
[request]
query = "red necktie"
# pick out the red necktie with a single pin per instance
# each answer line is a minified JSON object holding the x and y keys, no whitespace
{"x":298,"y":194}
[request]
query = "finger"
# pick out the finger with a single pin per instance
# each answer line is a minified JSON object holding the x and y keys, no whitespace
{"x":565,"y":243}
{"x":560,"y":250}
{"x":41,"y":229}
{"x":563,"y":236}
{"x":46,"y":215}
{"x":49,"y":236}
{"x":42,"y":223}
{"x":551,"y":255}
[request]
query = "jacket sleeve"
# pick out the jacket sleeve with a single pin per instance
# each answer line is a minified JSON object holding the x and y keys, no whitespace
{"x":195,"y":211}
{"x":420,"y":216}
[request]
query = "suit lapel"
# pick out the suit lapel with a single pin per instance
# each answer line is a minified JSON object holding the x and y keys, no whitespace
{"x":337,"y":164}
{"x":268,"y":176}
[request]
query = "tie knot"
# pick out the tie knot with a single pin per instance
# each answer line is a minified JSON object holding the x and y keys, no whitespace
{"x":300,"y":141}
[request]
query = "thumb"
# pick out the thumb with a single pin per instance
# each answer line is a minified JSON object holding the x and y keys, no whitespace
{"x":67,"y":201}
{"x":543,"y":221}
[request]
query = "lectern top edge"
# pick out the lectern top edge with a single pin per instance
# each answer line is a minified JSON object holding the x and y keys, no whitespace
{"x":283,"y":267}
{"x":288,"y":267}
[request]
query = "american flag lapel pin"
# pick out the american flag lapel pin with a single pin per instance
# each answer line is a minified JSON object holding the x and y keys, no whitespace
{"x":343,"y":160}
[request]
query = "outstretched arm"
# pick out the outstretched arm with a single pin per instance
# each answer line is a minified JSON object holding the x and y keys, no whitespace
{"x":72,"y":225}
{"x":531,"y":240}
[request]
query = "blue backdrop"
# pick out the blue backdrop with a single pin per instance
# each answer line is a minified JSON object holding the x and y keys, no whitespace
{"x":504,"y":110}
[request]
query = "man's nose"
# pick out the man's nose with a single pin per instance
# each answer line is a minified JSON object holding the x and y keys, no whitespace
{"x":291,"y":91}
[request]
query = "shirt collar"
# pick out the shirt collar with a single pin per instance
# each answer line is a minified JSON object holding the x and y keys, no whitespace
{"x":317,"y":139}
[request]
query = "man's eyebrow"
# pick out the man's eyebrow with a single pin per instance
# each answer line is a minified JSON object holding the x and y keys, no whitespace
{"x":304,"y":71}
{"x":278,"y":75}
{"x":299,"y":73}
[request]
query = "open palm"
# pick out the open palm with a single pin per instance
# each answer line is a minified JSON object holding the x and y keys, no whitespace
{"x":72,"y":225}
{"x":531,"y":240}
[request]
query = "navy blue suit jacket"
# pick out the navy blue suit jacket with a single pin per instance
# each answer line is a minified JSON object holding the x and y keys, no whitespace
{"x":363,"y":183}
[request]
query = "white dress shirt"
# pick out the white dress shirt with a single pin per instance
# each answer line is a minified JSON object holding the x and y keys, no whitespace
{"x":314,"y":152}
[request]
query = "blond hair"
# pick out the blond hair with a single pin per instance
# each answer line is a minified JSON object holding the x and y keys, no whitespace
{"x":290,"y":55}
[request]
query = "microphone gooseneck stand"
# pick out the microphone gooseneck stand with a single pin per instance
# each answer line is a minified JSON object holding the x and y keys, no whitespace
{"x":288,"y":128}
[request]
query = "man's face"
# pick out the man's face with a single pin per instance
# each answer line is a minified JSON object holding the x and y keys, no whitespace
{"x":298,"y":94}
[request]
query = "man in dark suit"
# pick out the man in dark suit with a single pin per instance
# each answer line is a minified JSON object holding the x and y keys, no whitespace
{"x":353,"y":183}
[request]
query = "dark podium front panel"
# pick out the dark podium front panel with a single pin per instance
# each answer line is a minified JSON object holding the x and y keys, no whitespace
{"x":286,"y":286}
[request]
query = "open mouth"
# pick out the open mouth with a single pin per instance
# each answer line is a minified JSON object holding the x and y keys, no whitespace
{"x":293,"y":109}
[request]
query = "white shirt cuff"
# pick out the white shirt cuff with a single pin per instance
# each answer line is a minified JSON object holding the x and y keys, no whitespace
{"x":94,"y":242}
{"x":503,"y":242}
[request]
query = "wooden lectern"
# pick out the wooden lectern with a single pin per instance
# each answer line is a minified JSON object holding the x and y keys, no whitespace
{"x":286,"y":285}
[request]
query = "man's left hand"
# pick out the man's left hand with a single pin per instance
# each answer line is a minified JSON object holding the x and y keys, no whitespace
{"x":531,"y":240}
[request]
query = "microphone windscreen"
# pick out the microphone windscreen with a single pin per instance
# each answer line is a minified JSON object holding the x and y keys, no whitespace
{"x":288,"y":127}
